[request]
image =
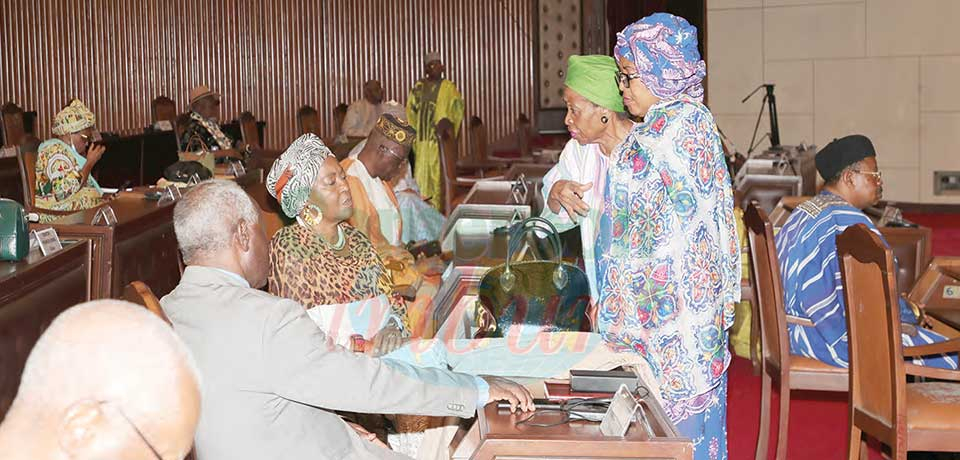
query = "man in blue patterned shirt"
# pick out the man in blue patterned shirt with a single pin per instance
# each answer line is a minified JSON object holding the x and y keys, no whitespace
{"x":807,"y":250}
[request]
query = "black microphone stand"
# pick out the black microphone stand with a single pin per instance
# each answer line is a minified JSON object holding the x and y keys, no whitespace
{"x":769,"y":101}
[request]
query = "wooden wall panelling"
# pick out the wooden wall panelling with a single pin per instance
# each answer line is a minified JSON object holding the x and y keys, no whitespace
{"x":266,"y":57}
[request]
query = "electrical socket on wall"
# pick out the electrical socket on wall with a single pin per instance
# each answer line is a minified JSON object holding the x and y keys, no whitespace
{"x":946,"y":183}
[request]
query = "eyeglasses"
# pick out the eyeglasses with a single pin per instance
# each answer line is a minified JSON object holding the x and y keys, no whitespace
{"x":624,"y":78}
{"x":398,"y":158}
{"x":136,"y":429}
{"x":875,"y":174}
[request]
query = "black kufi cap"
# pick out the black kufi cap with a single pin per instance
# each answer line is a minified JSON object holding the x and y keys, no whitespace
{"x":841,"y":153}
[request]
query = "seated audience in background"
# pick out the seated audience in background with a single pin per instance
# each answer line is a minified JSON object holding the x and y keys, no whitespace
{"x":311,"y":186}
{"x":203,"y":130}
{"x":64,"y":163}
{"x":420,"y":221}
{"x":271,"y":378}
{"x":432,"y":100}
{"x":598,"y":123}
{"x":807,"y":250}
{"x":362,"y":114}
{"x":107,"y":379}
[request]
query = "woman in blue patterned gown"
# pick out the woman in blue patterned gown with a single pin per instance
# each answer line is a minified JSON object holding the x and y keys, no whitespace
{"x":668,"y":256}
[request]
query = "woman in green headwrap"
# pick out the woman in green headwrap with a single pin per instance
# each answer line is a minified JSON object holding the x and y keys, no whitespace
{"x":598,"y":123}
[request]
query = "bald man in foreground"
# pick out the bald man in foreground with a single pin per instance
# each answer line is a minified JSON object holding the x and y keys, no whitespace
{"x":272,"y":379}
{"x":107,"y":380}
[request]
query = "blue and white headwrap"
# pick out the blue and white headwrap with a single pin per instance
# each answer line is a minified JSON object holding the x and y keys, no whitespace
{"x":663,"y":47}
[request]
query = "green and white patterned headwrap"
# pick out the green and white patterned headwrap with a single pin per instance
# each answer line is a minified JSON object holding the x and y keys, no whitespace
{"x":293,"y":173}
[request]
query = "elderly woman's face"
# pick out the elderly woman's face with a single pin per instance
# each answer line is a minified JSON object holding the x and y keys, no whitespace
{"x":583,"y":118}
{"x":636,"y":97}
{"x":331,"y":193}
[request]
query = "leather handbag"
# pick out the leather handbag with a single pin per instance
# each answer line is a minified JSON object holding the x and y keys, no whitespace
{"x":546,"y":295}
{"x":14,"y":239}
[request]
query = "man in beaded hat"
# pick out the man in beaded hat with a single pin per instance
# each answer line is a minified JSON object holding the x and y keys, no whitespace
{"x":376,"y":209}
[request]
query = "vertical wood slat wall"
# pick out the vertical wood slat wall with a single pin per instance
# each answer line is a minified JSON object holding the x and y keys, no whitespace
{"x":266,"y":56}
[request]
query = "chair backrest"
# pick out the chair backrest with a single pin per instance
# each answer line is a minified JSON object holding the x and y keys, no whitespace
{"x":11,"y":123}
{"x":249,"y":131}
{"x":873,"y":329}
{"x":139,"y":293}
{"x":448,"y":166}
{"x":163,"y":109}
{"x":768,"y":289}
{"x":308,"y":120}
{"x":478,"y":139}
{"x":339,"y":114}
{"x":27,"y":162}
{"x":180,"y":127}
{"x":524,"y":135}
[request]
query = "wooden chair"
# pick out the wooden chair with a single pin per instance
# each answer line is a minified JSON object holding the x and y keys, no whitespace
{"x":308,"y":120}
{"x":139,"y":293}
{"x":904,"y":416}
{"x":476,"y":164}
{"x":249,"y":131}
{"x":180,"y":127}
{"x":163,"y":109}
{"x":339,"y":114}
{"x":792,"y":372}
{"x":453,"y":188}
{"x":11,"y":122}
{"x":478,"y":140}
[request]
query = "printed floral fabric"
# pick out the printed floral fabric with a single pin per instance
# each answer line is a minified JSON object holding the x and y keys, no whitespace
{"x":59,"y":174}
{"x":668,"y":255}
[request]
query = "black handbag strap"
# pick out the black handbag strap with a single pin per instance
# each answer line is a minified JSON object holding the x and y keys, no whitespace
{"x":532,"y":224}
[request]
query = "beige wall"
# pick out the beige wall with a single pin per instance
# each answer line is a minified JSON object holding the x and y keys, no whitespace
{"x":889,"y":69}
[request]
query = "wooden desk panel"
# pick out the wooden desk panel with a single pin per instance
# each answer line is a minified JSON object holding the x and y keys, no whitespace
{"x":142,"y":246}
{"x":32,"y":293}
{"x":501,"y":438}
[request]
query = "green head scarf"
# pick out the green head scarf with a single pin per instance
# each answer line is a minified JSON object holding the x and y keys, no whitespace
{"x":595,"y":78}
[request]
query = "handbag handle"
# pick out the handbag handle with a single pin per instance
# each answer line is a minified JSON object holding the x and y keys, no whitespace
{"x":508,"y":279}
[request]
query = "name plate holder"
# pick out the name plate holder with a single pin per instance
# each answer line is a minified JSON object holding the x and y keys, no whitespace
{"x":105,"y":217}
{"x":519,"y":190}
{"x":48,"y":240}
{"x":620,"y":413}
{"x":171,"y":194}
{"x":193,"y":180}
{"x":237,"y":169}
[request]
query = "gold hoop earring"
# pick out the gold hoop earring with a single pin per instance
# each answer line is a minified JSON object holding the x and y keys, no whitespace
{"x":312,"y":214}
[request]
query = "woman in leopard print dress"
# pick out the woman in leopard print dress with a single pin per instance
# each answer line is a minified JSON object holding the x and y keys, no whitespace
{"x":321,"y":260}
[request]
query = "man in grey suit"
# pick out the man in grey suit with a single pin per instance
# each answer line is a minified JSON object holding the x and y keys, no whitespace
{"x":271,"y":378}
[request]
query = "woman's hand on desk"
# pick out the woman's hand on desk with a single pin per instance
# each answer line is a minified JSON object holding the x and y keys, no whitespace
{"x":388,"y":339}
{"x":512,"y":392}
{"x":568,"y":195}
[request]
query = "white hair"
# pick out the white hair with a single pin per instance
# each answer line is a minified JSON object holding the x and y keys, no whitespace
{"x":107,"y":350}
{"x":206,"y":218}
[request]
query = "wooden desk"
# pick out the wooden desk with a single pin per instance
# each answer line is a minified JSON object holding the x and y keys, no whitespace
{"x":32,"y":293}
{"x":142,"y":246}
{"x":501,"y":438}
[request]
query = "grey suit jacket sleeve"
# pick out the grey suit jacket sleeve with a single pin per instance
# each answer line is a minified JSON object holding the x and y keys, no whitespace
{"x":305,"y":367}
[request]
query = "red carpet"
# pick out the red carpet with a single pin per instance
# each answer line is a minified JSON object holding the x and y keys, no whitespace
{"x":818,"y":420}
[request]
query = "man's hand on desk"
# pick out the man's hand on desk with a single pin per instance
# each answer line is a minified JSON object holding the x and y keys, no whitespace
{"x":512,"y":392}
